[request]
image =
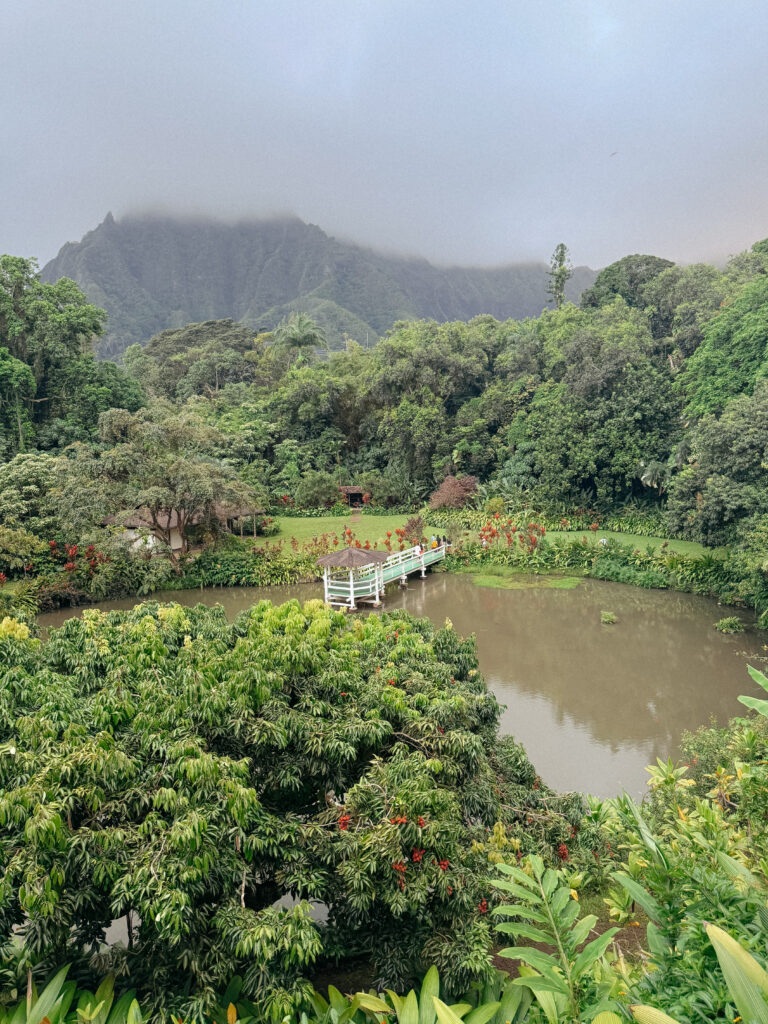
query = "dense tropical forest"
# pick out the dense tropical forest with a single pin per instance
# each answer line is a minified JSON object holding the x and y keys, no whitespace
{"x":214,"y":819}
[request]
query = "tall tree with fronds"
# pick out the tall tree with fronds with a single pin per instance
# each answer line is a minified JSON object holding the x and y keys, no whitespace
{"x":298,"y":334}
{"x":560,"y":270}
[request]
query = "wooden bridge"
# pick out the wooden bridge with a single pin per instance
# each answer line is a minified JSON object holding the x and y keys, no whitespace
{"x":356,"y":575}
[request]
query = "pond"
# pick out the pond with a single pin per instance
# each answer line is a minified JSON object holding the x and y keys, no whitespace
{"x":593,"y":704}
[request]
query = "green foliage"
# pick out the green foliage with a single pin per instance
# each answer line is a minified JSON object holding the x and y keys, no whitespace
{"x":51,"y":389}
{"x":628,"y":277}
{"x":730,"y":624}
{"x":317,"y":490}
{"x":560,"y":270}
{"x":725,"y":480}
{"x":494,"y":506}
{"x":761,"y":706}
{"x":694,"y":858}
{"x":63,"y":1002}
{"x":569,"y":983}
{"x":733,"y":355}
{"x":18,"y":550}
{"x":182,"y":774}
{"x":607,"y":618}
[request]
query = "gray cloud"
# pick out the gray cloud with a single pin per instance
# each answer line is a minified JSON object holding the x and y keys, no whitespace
{"x":470,"y":133}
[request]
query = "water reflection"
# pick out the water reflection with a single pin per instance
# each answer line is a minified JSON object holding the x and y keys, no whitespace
{"x":592,"y":704}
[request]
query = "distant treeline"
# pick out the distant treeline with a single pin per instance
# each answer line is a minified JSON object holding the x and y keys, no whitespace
{"x":651,"y":390}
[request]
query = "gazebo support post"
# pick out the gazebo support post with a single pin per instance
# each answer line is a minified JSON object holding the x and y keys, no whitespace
{"x":325,"y":585}
{"x":376,"y":583}
{"x":352,"y":590}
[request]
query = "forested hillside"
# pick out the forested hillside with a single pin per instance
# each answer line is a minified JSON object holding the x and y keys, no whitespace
{"x":152,"y":273}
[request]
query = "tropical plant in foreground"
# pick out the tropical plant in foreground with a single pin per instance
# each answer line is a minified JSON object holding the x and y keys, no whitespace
{"x":573,"y":982}
{"x":758,"y":705}
{"x":685,"y":872}
{"x":422,"y":1006}
{"x":62,"y":1002}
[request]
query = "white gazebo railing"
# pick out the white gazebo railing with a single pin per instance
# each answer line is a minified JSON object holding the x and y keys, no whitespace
{"x":367,"y":583}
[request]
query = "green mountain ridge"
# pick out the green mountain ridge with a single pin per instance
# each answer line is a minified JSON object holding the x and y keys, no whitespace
{"x":152,"y":273}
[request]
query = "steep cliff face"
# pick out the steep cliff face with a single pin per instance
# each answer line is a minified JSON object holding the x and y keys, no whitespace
{"x":153,"y":273}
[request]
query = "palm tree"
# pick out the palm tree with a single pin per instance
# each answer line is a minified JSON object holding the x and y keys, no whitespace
{"x":298,"y":333}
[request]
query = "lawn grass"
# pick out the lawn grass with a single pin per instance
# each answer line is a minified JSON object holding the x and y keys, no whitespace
{"x":371,"y":528}
{"x":374,"y":528}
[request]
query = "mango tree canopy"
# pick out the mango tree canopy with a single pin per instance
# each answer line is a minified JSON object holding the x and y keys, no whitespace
{"x":352,"y":558}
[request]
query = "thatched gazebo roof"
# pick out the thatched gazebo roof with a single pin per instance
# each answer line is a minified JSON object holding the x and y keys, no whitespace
{"x":352,"y":558}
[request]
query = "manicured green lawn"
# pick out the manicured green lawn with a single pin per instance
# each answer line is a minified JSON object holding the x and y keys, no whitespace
{"x":372,"y":528}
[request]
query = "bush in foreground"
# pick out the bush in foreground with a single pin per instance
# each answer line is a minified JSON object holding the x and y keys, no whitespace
{"x":183,"y":774}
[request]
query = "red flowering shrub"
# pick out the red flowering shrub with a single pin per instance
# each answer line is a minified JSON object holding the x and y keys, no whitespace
{"x":453,"y":492}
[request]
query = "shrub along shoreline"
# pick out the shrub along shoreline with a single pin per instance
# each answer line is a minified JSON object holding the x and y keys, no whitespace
{"x":732,"y":576}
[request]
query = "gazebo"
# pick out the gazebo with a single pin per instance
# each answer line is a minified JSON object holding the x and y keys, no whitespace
{"x":353,"y":494}
{"x":353,"y":565}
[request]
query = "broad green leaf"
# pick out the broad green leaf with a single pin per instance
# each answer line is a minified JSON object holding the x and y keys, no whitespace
{"x":444,"y":1013}
{"x":582,"y":929}
{"x":521,"y":910}
{"x":759,"y":677}
{"x":397,"y":1001}
{"x":516,"y":890}
{"x":535,"y":958}
{"x":350,"y":1011}
{"x":482,"y":1014}
{"x":430,"y":988}
{"x":134,"y":1014}
{"x":119,"y":1012}
{"x":537,"y":984}
{"x":232,"y":991}
{"x":592,"y":952}
{"x":373,"y":1003}
{"x":511,"y":998}
{"x":518,"y":873}
{"x":338,"y":1002}
{"x":746,"y":980}
{"x":547,"y":999}
{"x":639,"y":895}
{"x":410,"y":1011}
{"x":105,"y":995}
{"x":48,"y":997}
{"x":549,"y":882}
{"x":527,"y":931}
{"x":460,"y":1009}
{"x":68,"y":993}
{"x":657,"y":943}
{"x":761,"y":706}
{"x":735,"y":868}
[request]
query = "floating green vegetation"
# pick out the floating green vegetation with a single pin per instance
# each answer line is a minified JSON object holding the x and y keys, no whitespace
{"x":518,"y":581}
{"x":607,"y":618}
{"x":730,"y":624}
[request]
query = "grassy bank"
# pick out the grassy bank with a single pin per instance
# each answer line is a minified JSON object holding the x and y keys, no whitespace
{"x":365,"y":528}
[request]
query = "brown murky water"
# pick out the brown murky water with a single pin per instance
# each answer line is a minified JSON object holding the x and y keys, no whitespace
{"x":593,"y":704}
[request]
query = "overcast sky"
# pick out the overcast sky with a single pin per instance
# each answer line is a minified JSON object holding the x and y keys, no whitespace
{"x":468,"y":132}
